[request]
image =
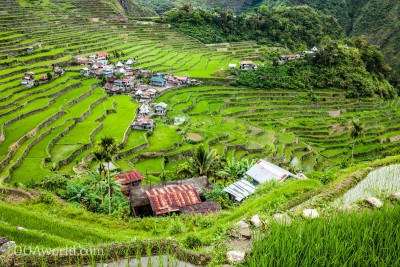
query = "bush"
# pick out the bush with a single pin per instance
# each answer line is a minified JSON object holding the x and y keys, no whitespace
{"x":192,"y":241}
{"x":46,"y":198}
{"x":176,"y":227}
{"x":218,"y":195}
{"x":203,"y":222}
{"x":323,"y":177}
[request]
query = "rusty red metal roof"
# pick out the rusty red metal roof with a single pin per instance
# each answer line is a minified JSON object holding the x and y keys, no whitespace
{"x":172,"y":198}
{"x":129,"y":177}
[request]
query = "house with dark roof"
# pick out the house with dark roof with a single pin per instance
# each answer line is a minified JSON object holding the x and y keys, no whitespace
{"x":140,"y":203}
{"x":44,"y":78}
{"x":172,"y":198}
{"x":158,"y":81}
{"x":247,"y":65}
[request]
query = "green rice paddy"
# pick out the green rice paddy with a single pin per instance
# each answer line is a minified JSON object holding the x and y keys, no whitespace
{"x":52,"y":127}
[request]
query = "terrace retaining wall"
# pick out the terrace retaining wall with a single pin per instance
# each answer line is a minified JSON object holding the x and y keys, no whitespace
{"x":13,"y":148}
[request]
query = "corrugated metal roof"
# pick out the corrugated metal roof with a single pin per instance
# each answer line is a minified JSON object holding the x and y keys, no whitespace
{"x":240,"y":189}
{"x":202,"y":208}
{"x":144,"y":109}
{"x":169,"y":199}
{"x":264,"y":171}
{"x":129,"y":177}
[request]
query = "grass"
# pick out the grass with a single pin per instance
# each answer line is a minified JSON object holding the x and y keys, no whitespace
{"x":69,"y":224}
{"x":366,"y":238}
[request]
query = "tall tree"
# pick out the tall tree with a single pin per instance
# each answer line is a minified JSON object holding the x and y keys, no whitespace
{"x":99,"y":157}
{"x":107,"y":148}
{"x":201,"y":163}
{"x":356,"y":131}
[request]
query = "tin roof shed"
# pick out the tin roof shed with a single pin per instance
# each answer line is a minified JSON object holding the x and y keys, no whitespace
{"x":264,"y":171}
{"x":240,"y":189}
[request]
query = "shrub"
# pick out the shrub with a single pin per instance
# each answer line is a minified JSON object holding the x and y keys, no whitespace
{"x":203,"y":222}
{"x":192,"y":241}
{"x":218,"y":195}
{"x":176,"y":227}
{"x":46,"y":198}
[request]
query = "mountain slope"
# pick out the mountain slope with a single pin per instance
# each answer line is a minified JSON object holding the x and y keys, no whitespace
{"x":379,"y":22}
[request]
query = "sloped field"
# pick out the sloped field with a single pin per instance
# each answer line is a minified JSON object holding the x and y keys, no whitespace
{"x":52,"y":127}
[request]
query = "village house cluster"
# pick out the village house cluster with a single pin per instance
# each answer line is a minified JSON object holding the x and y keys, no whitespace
{"x":244,"y":65}
{"x":122,"y":78}
{"x":143,"y":119}
{"x":290,"y":57}
{"x":28,"y":79}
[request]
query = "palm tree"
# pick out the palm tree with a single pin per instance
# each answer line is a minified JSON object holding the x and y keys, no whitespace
{"x":99,"y":156}
{"x":201,"y":163}
{"x":356,"y":131}
{"x":107,"y":148}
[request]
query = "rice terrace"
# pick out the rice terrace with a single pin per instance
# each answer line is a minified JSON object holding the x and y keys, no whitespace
{"x":194,"y":136}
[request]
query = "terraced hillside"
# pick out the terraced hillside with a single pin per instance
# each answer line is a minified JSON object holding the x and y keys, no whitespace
{"x":48,"y":127}
{"x":284,"y":126}
{"x":54,"y":126}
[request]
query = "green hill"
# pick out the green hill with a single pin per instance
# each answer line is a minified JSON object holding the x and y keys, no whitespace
{"x":376,"y":20}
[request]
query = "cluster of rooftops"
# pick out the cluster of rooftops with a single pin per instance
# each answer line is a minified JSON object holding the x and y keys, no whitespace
{"x":184,"y":196}
{"x":143,"y":119}
{"x":28,"y":79}
{"x":98,"y":65}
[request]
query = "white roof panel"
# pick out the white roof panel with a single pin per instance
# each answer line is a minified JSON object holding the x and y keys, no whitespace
{"x":240,"y":189}
{"x":264,"y":171}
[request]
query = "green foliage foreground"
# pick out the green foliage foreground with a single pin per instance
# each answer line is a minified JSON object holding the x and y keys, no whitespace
{"x":360,"y":239}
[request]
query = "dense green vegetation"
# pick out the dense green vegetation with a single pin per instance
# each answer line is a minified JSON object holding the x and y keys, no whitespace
{"x":366,"y":238}
{"x":292,"y":26}
{"x":355,"y":67}
{"x":376,"y":20}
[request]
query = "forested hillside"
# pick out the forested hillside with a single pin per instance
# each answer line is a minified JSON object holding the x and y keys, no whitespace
{"x":292,"y":26}
{"x":160,"y":6}
{"x":377,"y":20}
